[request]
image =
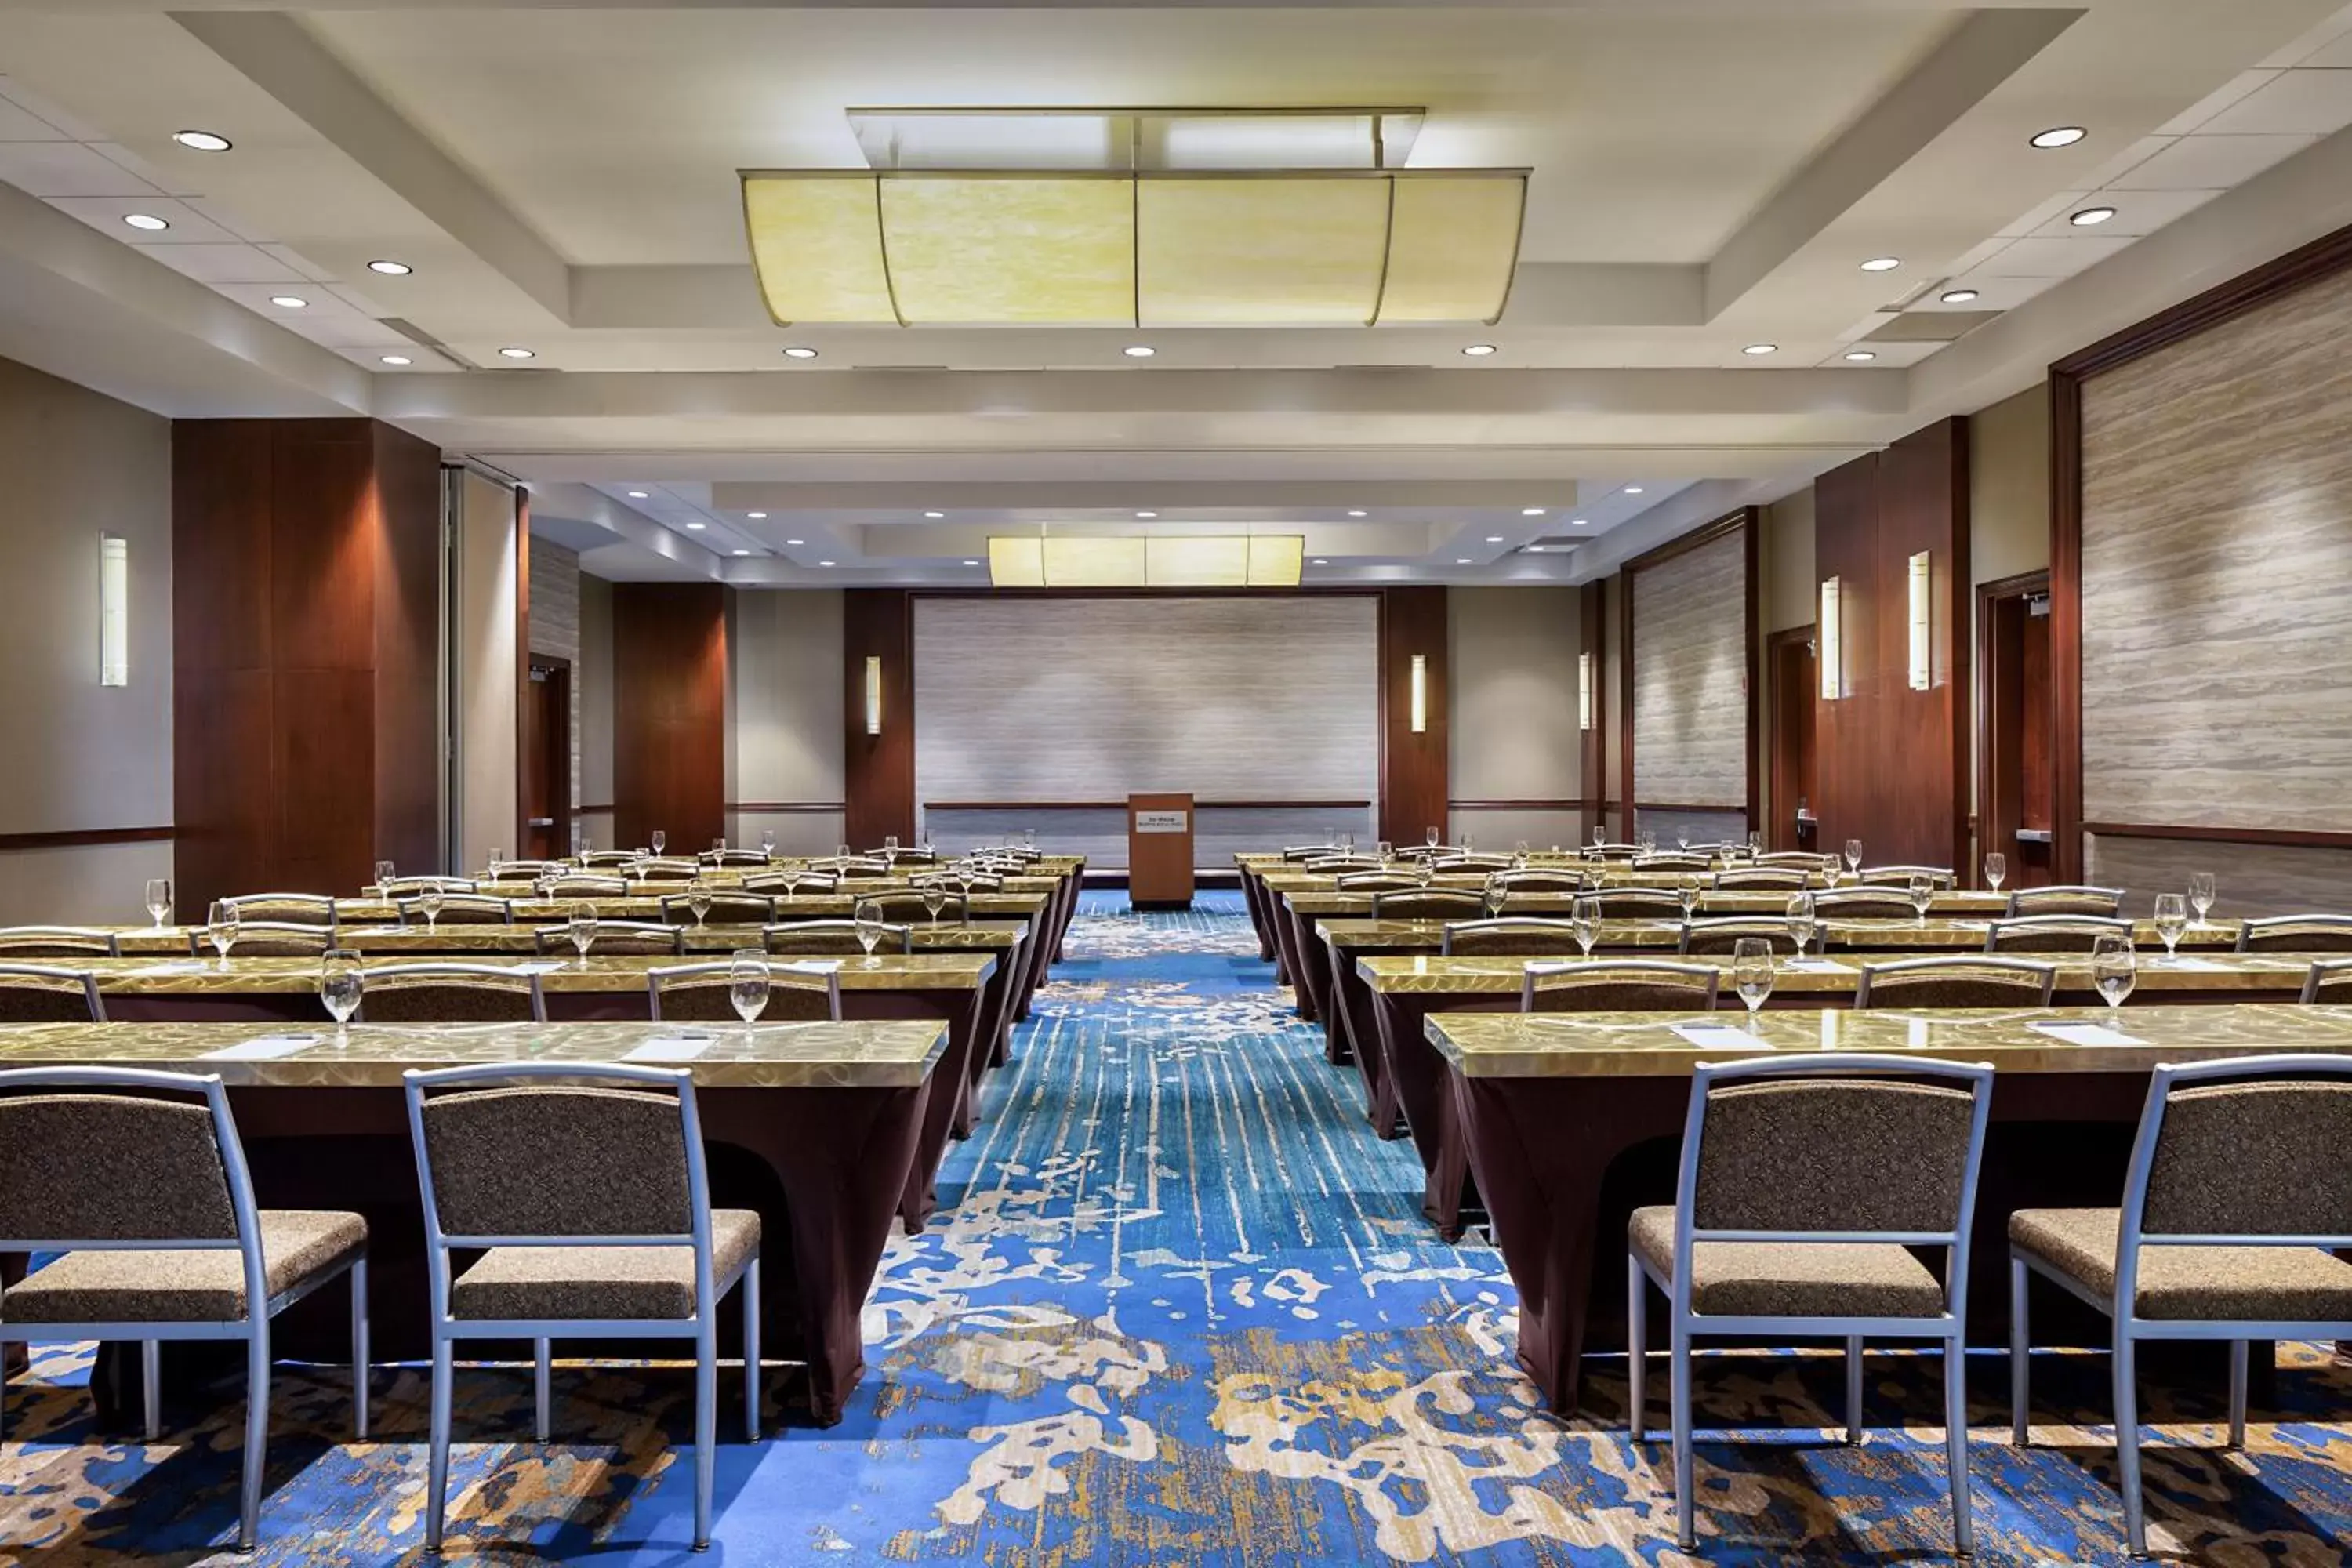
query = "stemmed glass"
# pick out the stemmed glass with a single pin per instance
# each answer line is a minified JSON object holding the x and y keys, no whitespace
{"x":1028,"y":839}
{"x":1496,"y":894}
{"x":1681,"y":839}
{"x":890,"y":848}
{"x":159,"y":899}
{"x":1584,"y":922}
{"x":747,"y":985}
{"x":2171,"y":919}
{"x":1386,"y":850}
{"x":1519,"y":855}
{"x":869,"y":916}
{"x":697,"y":900}
{"x":428,"y":899}
{"x":1751,"y":971}
{"x":1923,"y":893}
{"x":1755,"y":844}
{"x":582,"y":928}
{"x":1854,"y":857}
{"x":498,"y":859}
{"x":2114,"y":970}
{"x":1802,"y":920}
{"x":1686,"y":888}
{"x":660,"y":840}
{"x":1429,"y":837}
{"x":935,"y":898}
{"x":221,"y":930}
{"x":1468,"y":843}
{"x":1425,"y":870}
{"x":768,"y":842}
{"x":1996,"y":869}
{"x":339,"y":985}
{"x":1600,"y":835}
{"x":2201,"y":893}
{"x":383,"y":875}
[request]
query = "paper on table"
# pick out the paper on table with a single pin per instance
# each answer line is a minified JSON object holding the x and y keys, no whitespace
{"x":262,"y":1048}
{"x":1820,"y":966}
{"x":2088,"y":1034}
{"x":2184,"y":960}
{"x":669,"y":1049}
{"x":542,"y":966}
{"x":1717,"y":1037}
{"x":814,"y":966}
{"x":191,"y":967}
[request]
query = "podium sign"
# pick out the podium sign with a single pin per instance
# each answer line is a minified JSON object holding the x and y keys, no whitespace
{"x":1160,"y":851}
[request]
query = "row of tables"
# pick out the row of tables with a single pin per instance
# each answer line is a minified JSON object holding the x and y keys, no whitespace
{"x":830,"y":1130}
{"x":1559,"y":1125}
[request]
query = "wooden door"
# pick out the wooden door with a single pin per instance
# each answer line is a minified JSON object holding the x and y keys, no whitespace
{"x":1789,"y":657}
{"x":2014,"y":778}
{"x":547,"y":759}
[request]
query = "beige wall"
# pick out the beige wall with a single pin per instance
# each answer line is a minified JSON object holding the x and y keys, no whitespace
{"x":785,"y":720}
{"x":81,"y":757}
{"x":1787,"y":596}
{"x":591,"y":679}
{"x":1512,"y":724}
{"x":2008,"y":487}
{"x":483,"y":622}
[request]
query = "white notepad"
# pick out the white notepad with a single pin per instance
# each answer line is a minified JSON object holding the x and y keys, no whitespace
{"x":1818,"y":965}
{"x":191,"y":967}
{"x":2185,"y":961}
{"x":262,"y":1048}
{"x":814,"y":966}
{"x":670,"y":1048}
{"x":542,"y":966}
{"x":1716,"y":1036}
{"x":2088,"y":1034}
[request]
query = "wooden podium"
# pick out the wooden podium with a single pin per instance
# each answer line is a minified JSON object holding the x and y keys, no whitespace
{"x":1160,"y":851}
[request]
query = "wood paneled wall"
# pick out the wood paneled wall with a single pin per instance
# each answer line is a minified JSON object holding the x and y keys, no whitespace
{"x":669,"y":713}
{"x":305,"y":652}
{"x":879,"y":771}
{"x":1413,"y":779}
{"x":1689,"y":726}
{"x":1892,"y":763}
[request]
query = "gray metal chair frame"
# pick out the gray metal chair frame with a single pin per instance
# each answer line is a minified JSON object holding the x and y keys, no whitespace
{"x":2002,"y":935}
{"x":1771,"y":878}
{"x":733,"y":857}
{"x":666,"y":869}
{"x":62,"y":982}
{"x":289,"y":939}
{"x":905,"y":906}
{"x":894,"y":938}
{"x":1704,"y":978}
{"x":58,"y":942}
{"x":1900,"y":876}
{"x":1877,"y":904}
{"x":1693,"y":863}
{"x":321,"y":908}
{"x":579,"y":886}
{"x":1376,"y":882}
{"x":460,"y":909}
{"x":2326,"y":975}
{"x":727,"y":906}
{"x":1543,"y":879}
{"x":1800,"y":860}
{"x":1956,"y":968}
{"x":1613,"y":851}
{"x":1951,"y":1329}
{"x":409,"y":887}
{"x":453,"y":974}
{"x":1729,"y":928}
{"x":1343,"y":863}
{"x":1536,"y":929}
{"x":855,"y":866}
{"x":1396,"y":903}
{"x":526,"y":870}
{"x":1469,"y":862}
{"x":703,"y":1328}
{"x":609,"y":857}
{"x":2276,"y":934}
{"x":791,"y":883}
{"x":1294,"y":852}
{"x":2068,"y":899}
{"x":655,"y":936}
{"x":260,"y":1306}
{"x":1639,"y":903}
{"x":695,"y":976}
{"x":2123,"y":1307}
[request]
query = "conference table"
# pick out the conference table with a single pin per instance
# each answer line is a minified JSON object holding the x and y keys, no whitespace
{"x":814,"y":1125}
{"x":1572,"y":1121}
{"x":966,"y":990}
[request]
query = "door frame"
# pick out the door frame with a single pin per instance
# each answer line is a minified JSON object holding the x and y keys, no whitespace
{"x":1989,"y":596}
{"x":1781,"y":811}
{"x":557,"y":672}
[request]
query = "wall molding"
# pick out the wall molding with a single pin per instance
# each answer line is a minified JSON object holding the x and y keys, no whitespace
{"x":78,"y":837}
{"x":786,"y":807}
{"x":2318,"y":839}
{"x":1520,"y":804}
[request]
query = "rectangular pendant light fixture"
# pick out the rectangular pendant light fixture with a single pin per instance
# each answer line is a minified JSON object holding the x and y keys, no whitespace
{"x":1921,"y":584}
{"x":1139,"y":561}
{"x":1832,"y":647}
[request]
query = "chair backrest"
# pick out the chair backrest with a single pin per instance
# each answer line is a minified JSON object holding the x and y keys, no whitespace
{"x":461,"y":910}
{"x":1296,"y":852}
{"x":1956,"y":982}
{"x":57,"y":941}
{"x":450,"y":993}
{"x":293,"y":909}
{"x":590,"y":887}
{"x":1900,"y":876}
{"x":1832,"y":1147}
{"x":1426,"y":903}
{"x":279,"y":938}
{"x":819,"y":938}
{"x":39,"y":994}
{"x":1471,"y":863}
{"x":726,"y":908}
{"x":1673,"y":863}
{"x":977,"y":881}
{"x":615,"y":937}
{"x":1796,"y":860}
{"x":2245,"y":1152}
{"x":733,"y":858}
{"x":2066,"y":901}
{"x":1513,"y":936}
{"x":2297,"y":933}
{"x":1752,"y":879}
{"x":702,"y":993}
{"x":526,"y":870}
{"x":1639,"y":905}
{"x":1723,"y":936}
{"x":903,"y":905}
{"x":1336,"y":863}
{"x":1619,"y":985}
{"x":2052,"y":934}
{"x":1613,"y":851}
{"x":853,"y":866}
{"x":1376,"y":881}
{"x":609,"y":857}
{"x":911,"y":857}
{"x":666,"y":870}
{"x":791,"y":883}
{"x":2329,"y":982}
{"x":1543,"y":879}
{"x":1863,"y":904}
{"x":409,"y":887}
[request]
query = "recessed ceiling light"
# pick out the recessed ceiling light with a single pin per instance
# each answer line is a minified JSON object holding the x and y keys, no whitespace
{"x":799,"y":351}
{"x":1358,"y":511}
{"x":1138,"y":350}
{"x":825,"y":562}
{"x":290,"y":301}
{"x":1762,"y":349}
{"x":1461,"y":561}
{"x":757,"y":516}
{"x":202,"y":140}
{"x":1633,"y":489}
{"x":1531,"y":512}
{"x":2058,"y":136}
{"x":147,"y":221}
{"x":1882,"y":264}
{"x":1479,"y":351}
{"x":1859,"y":356}
{"x":696,"y":527}
{"x":638,"y":495}
{"x":1320,"y":562}
{"x":935,"y":514}
{"x":1147,"y":514}
{"x":1494,"y":539}
{"x":2089,"y":217}
{"x":397,"y":359}
{"x":972,"y":563}
{"x":391,"y":269}
{"x":1957,"y":296}
{"x":518,"y":353}
{"x":795,"y":541}
{"x":1576,"y":523}
{"x":747,"y":552}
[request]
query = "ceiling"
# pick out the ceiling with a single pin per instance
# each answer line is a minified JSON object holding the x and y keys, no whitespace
{"x":1707,"y":176}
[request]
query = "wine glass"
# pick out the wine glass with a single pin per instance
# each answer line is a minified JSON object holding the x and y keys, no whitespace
{"x":935,"y":898}
{"x":1802,"y":920}
{"x":697,"y":899}
{"x":582,"y":928}
{"x":1686,"y":889}
{"x":221,"y":930}
{"x":1496,"y":893}
{"x":2171,"y":919}
{"x":1584,"y":922}
{"x":747,"y":985}
{"x":2201,"y":893}
{"x":1600,"y":835}
{"x":1854,"y":856}
{"x":1386,"y":850}
{"x":1755,"y":843}
{"x":1347,"y":843}
{"x":498,"y":857}
{"x":869,"y":916}
{"x":1468,"y":843}
{"x":1429,"y":837}
{"x":1681,"y":839}
{"x":339,"y":985}
{"x":891,"y":847}
{"x":1751,"y":971}
{"x":1996,"y":869}
{"x":1028,"y":839}
{"x":159,"y":899}
{"x":1923,"y":893}
{"x":718,"y":848}
{"x":428,"y":899}
{"x":768,"y":842}
{"x":2114,"y":970}
{"x":660,"y":840}
{"x":841,"y":852}
{"x":1519,"y":855}
{"x":1424,"y":870}
{"x":383,"y":875}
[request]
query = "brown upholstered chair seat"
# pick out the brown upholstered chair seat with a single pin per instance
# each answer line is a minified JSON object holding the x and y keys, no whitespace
{"x":1792,"y":1279}
{"x":2199,"y":1283}
{"x":611,"y":1282}
{"x":192,"y":1286}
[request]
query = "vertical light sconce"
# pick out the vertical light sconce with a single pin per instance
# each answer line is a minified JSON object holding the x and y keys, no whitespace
{"x":1584,"y":691}
{"x":1832,"y":646}
{"x":114,"y":610}
{"x":1419,"y":693}
{"x":1922,"y":675}
{"x":873,"y":693}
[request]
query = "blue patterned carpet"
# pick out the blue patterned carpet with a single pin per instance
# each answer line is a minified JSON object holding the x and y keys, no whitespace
{"x":1180,"y":1307}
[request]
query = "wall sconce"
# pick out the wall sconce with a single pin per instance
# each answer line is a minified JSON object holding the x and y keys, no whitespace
{"x":114,"y":610}
{"x":1419,"y":693}
{"x":1584,"y":691}
{"x":1833,"y":644}
{"x":1922,"y":675}
{"x":873,"y":693}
